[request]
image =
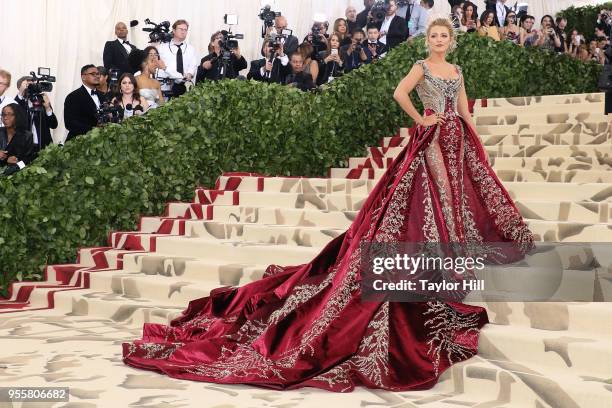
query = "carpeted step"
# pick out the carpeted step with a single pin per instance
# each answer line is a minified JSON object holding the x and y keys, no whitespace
{"x":570,"y":127}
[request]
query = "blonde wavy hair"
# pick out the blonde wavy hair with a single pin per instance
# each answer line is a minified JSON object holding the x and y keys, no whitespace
{"x":443,"y":22}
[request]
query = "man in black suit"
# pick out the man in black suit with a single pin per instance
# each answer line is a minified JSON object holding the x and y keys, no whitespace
{"x":498,"y":7}
{"x":81,"y":105}
{"x":363,"y":18}
{"x":291,"y":42}
{"x":41,"y":116}
{"x":273,"y":67}
{"x":393,"y":29}
{"x":116,"y":52}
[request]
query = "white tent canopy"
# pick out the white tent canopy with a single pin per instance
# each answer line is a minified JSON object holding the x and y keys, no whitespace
{"x":67,"y":34}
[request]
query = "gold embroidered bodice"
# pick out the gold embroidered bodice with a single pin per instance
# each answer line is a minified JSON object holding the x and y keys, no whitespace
{"x":436,"y":93}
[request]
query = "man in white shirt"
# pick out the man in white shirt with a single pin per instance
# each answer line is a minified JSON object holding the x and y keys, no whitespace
{"x":82,"y":104}
{"x":180,"y":58}
{"x":5,"y":83}
{"x":500,"y":12}
{"x":420,"y":17}
{"x":393,"y":29}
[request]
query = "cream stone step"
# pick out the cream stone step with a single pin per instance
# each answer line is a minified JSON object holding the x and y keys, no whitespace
{"x":154,"y":288}
{"x":599,"y":162}
{"x":258,"y":215}
{"x":584,"y":318}
{"x":586,"y":212}
{"x":571,"y":109}
{"x":295,"y":185}
{"x":547,"y":117}
{"x":116,"y":307}
{"x":539,"y":191}
{"x":553,"y":351}
{"x":549,"y":100}
{"x":570,"y":127}
{"x":604,"y":150}
{"x":551,"y":176}
{"x":238,"y":252}
{"x":524,"y":140}
{"x":325,"y":202}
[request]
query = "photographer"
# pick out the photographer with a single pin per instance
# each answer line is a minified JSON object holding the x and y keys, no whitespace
{"x":179,"y":57}
{"x":5,"y":83}
{"x":354,"y":54}
{"x":333,"y":64}
{"x":363,"y":18}
{"x":273,"y":67}
{"x":16,"y":148}
{"x":290,"y":43}
{"x":222,"y":61}
{"x":42,"y":119}
{"x":318,"y":38}
{"x":393,"y":28}
{"x":81,"y":105}
{"x":374,"y":49}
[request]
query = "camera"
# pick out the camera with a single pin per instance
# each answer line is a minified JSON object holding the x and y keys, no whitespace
{"x":40,"y":84}
{"x":229,"y":42}
{"x":159,"y":32}
{"x":379,"y":11}
{"x":109,"y":113}
{"x":267,"y":15}
{"x":276,"y":40}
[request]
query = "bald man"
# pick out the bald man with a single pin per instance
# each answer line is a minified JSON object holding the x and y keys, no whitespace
{"x":116,"y":51}
{"x":291,"y":43}
{"x":351,"y":18}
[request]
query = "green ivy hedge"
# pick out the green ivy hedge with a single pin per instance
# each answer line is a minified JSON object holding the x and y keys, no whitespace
{"x":73,"y":196}
{"x":583,"y":18}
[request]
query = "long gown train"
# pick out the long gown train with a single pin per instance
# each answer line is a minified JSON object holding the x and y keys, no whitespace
{"x":306,"y":325}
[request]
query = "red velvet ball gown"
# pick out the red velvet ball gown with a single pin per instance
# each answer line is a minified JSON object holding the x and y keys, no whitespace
{"x":306,"y":326}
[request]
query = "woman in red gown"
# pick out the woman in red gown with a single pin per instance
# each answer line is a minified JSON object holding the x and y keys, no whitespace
{"x":306,"y":325}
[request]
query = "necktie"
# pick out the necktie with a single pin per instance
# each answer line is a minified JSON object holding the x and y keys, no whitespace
{"x":126,"y":42}
{"x":94,"y":92}
{"x":179,"y":59}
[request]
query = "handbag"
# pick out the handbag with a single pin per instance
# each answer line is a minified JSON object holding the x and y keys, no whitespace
{"x":605,"y":78}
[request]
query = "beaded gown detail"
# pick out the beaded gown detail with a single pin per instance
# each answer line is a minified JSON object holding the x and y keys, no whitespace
{"x":306,"y":325}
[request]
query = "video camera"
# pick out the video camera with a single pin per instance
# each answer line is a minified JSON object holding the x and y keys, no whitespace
{"x":40,"y":84}
{"x":267,"y":15}
{"x":159,"y":32}
{"x":379,"y":11}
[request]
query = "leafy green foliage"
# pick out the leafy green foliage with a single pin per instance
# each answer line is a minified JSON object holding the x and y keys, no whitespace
{"x":73,"y":196}
{"x":583,"y":18}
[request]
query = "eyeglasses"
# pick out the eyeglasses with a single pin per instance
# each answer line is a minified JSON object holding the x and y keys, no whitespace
{"x":7,"y":114}
{"x":92,"y":73}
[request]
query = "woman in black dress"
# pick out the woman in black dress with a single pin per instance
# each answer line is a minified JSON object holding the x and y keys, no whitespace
{"x":16,"y":146}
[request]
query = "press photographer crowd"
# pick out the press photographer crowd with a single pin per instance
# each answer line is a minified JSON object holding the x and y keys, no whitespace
{"x":132,"y":81}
